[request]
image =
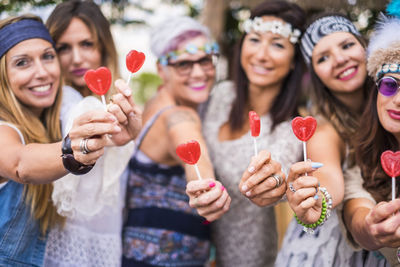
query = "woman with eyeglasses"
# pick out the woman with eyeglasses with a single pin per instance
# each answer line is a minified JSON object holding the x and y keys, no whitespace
{"x":370,"y":214}
{"x":335,"y":53}
{"x":161,"y":229}
{"x":267,"y":74}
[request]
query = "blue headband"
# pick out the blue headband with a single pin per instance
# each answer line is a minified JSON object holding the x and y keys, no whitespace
{"x":13,"y":34}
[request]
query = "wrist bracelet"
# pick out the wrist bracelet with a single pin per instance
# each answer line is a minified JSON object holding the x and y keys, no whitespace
{"x":69,"y":162}
{"x":325,"y":213}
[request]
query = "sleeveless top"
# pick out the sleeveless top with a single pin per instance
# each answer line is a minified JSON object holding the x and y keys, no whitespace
{"x":21,"y":243}
{"x":161,"y":228}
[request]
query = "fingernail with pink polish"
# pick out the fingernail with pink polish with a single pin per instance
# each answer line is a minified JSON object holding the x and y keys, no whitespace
{"x":212,"y":184}
{"x":205,"y":222}
{"x":222,"y":187}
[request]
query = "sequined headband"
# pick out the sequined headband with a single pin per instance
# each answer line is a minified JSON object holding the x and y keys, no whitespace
{"x":275,"y":26}
{"x":13,"y":34}
{"x":322,"y":27}
{"x":208,"y":48}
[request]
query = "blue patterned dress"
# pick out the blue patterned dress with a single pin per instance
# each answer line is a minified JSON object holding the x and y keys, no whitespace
{"x":161,"y":228}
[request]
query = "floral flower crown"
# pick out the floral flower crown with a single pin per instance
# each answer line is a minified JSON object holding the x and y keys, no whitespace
{"x":275,"y":26}
{"x":209,"y":48}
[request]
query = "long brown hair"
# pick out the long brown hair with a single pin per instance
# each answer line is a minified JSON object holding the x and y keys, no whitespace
{"x":286,"y":103}
{"x":91,"y":15}
{"x":369,"y":144}
{"x":35,"y":130}
{"x":344,"y":120}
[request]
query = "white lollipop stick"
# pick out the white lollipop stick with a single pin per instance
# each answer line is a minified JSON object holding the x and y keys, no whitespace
{"x":103,"y":99}
{"x":393,"y":188}
{"x":197,"y":171}
{"x":255,"y":146}
{"x":305,"y":153}
{"x":129,"y":78}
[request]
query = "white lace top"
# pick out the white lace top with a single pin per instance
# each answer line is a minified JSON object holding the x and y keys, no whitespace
{"x":92,"y":203}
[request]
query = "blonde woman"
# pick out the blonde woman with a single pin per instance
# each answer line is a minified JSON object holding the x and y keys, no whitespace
{"x":30,"y":139}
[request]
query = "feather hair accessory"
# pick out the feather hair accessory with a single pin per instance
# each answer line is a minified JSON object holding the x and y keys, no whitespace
{"x":393,"y":8}
{"x":384,"y":45}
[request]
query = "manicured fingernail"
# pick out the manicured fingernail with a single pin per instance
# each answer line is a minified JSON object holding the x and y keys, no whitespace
{"x":132,"y":114}
{"x":205,"y":222}
{"x":248,"y":193}
{"x":316,"y":165}
{"x":316,"y":197}
{"x":127,"y":92}
{"x":251,"y":169}
{"x":244,"y":188}
{"x":222,"y":188}
{"x":212,"y":184}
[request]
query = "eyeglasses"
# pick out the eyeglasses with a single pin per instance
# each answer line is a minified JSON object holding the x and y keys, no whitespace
{"x":185,"y":67}
{"x":388,"y":86}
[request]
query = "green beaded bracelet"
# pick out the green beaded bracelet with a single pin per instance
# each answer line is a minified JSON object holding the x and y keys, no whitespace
{"x":325,"y":213}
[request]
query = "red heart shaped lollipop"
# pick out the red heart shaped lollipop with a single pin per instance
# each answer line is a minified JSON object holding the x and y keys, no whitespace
{"x":189,"y":152}
{"x":134,"y":60}
{"x":254,"y":123}
{"x":304,"y":128}
{"x":391,"y":163}
{"x":98,"y":81}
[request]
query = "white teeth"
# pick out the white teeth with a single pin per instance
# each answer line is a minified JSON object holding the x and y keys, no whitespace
{"x":43,"y":88}
{"x":260,"y":69}
{"x":347,"y":72}
{"x":197,"y":84}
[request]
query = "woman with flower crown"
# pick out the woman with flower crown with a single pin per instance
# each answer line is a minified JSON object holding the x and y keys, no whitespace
{"x":268,"y":71}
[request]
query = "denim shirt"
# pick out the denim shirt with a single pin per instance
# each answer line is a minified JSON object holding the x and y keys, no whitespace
{"x":21,"y":243}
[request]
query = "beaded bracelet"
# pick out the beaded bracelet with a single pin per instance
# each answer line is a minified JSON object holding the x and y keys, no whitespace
{"x":325,"y":213}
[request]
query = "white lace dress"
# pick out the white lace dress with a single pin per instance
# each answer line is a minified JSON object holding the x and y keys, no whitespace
{"x":246,"y":235}
{"x":92,"y":202}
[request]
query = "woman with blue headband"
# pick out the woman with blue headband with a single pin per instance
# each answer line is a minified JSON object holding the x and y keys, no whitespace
{"x":335,"y":53}
{"x":30,"y":139}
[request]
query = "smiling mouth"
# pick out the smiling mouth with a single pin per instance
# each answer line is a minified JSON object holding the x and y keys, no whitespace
{"x":41,"y":89}
{"x":348,"y":74}
{"x":198,"y":86}
{"x":260,"y":70}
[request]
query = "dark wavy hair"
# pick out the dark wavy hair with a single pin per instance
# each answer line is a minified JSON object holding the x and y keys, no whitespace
{"x":286,"y":103}
{"x":369,"y":145}
{"x":344,"y":120}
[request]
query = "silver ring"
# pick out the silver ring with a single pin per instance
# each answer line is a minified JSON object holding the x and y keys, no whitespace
{"x":291,"y":188}
{"x":83,"y":146}
{"x":278,"y":178}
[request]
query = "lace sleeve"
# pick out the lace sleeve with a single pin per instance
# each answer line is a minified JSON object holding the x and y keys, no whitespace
{"x":86,"y":195}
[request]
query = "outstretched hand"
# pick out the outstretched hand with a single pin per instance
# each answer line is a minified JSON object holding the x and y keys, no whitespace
{"x":302,"y":193}
{"x":127,"y":112}
{"x":91,"y":128}
{"x":382,"y":223}
{"x":209,"y":197}
{"x":263,"y":182}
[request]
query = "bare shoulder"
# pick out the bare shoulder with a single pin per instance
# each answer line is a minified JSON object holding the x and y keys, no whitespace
{"x":179,"y":116}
